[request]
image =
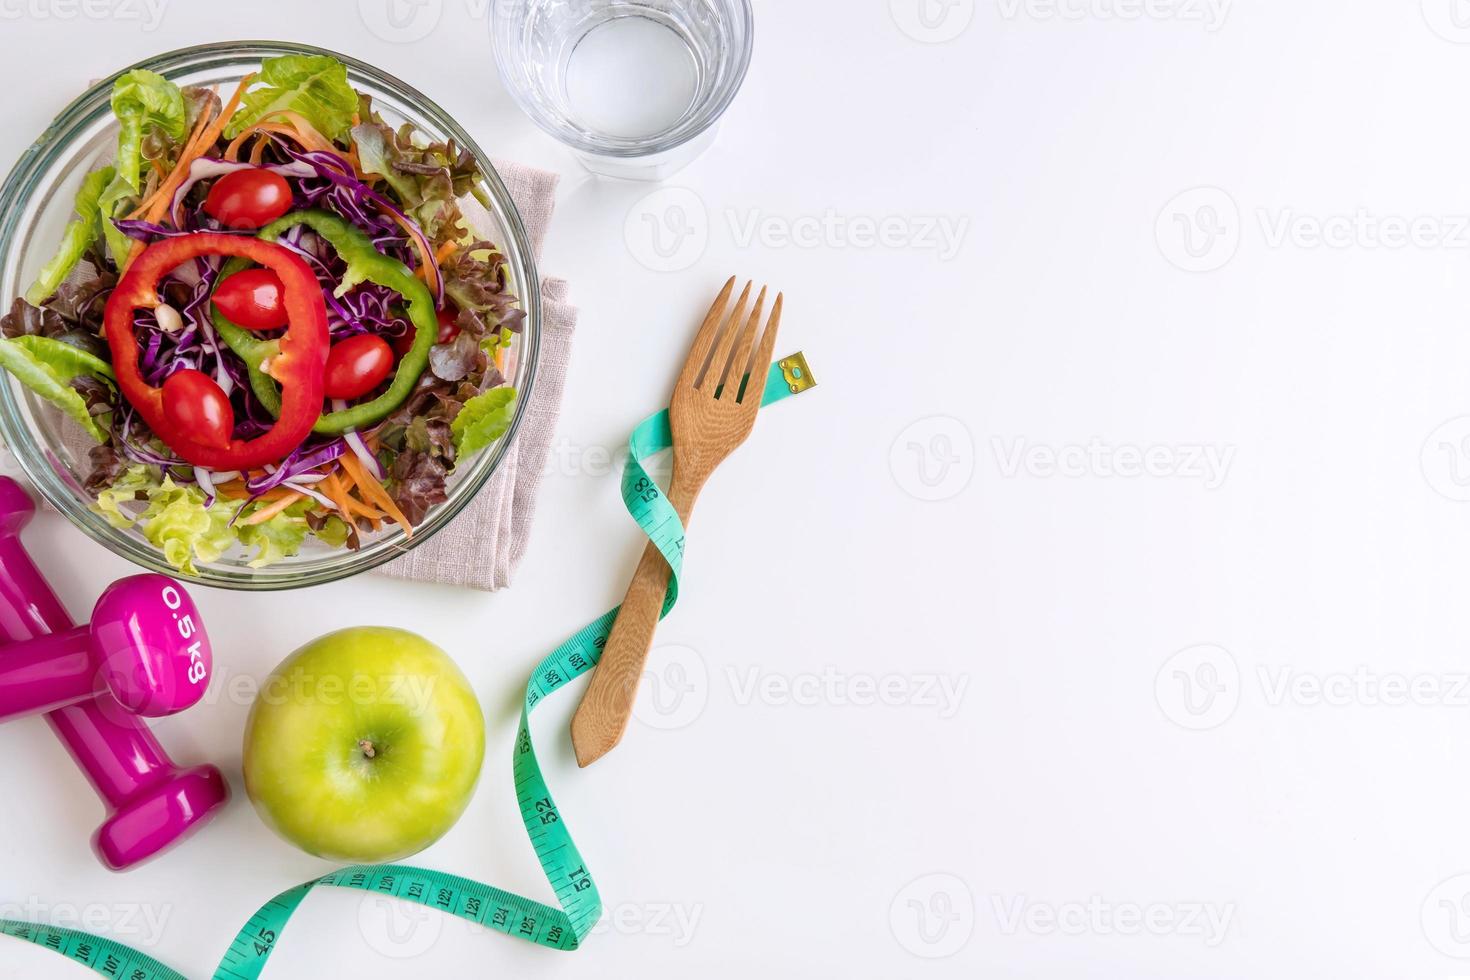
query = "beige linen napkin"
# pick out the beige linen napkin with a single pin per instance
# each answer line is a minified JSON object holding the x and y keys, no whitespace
{"x":483,"y":545}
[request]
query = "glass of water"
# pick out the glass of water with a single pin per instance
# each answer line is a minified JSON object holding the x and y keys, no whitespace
{"x":635,"y":87}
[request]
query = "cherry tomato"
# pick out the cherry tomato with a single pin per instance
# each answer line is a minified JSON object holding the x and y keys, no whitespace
{"x":356,"y":366}
{"x":198,"y":408}
{"x":448,"y":324}
{"x":248,"y":198}
{"x":253,"y":299}
{"x":448,"y":330}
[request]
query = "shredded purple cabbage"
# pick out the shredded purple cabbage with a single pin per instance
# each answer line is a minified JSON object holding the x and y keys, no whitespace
{"x":302,"y":460}
{"x":347,"y":195}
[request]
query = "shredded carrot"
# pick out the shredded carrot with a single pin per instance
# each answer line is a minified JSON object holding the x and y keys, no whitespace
{"x":266,"y":513}
{"x":232,"y":151}
{"x":340,"y":494}
{"x":373,"y":491}
{"x":332,"y":490}
{"x":235,"y":490}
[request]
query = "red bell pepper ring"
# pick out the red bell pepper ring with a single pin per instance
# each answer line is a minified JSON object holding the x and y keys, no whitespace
{"x":299,"y":367}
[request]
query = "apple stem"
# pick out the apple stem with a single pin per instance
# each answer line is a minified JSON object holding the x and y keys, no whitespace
{"x":367,"y":748}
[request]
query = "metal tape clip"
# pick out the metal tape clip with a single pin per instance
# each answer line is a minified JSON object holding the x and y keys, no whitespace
{"x":798,"y":375}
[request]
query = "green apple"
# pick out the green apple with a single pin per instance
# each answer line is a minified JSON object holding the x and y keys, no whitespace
{"x":364,"y":745}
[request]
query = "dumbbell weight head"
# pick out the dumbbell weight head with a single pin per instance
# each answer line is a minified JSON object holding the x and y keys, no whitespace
{"x":149,"y":644}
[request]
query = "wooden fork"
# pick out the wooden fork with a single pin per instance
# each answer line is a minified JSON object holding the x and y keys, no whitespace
{"x":709,"y":415}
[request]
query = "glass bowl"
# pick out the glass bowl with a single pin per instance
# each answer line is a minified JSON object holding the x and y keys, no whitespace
{"x":35,"y":204}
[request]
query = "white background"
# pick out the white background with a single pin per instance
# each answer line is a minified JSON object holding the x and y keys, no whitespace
{"x":1140,"y":741}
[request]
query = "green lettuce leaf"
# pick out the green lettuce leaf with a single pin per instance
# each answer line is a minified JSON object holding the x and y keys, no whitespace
{"x":333,"y":531}
{"x":314,"y":85}
{"x":144,"y":101}
{"x":124,"y":490}
{"x":177,"y":523}
{"x":148,"y":107}
{"x":277,"y":538}
{"x":47,"y":366}
{"x":80,"y":233}
{"x":483,"y":419}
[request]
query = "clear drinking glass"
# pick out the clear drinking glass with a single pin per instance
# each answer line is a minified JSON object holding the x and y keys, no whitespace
{"x":635,"y":87}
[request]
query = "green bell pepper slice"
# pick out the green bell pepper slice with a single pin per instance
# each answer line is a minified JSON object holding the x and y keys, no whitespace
{"x":364,"y":264}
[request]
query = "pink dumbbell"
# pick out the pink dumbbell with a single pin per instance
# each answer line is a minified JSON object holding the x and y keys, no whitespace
{"x":144,"y":646}
{"x":135,"y":657}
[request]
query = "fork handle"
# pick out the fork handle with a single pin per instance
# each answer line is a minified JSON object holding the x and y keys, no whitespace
{"x":602,"y":717}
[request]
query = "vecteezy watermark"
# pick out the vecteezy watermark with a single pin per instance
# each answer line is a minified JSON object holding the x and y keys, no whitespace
{"x":1445,"y":459}
{"x":932,"y":21}
{"x":677,"y":685}
{"x":400,"y":929}
{"x":941,"y":234}
{"x":400,"y":21}
{"x":1199,"y":687}
{"x":933,"y":916}
{"x":675,"y":921}
{"x":1209,"y":13}
{"x":147,"y":13}
{"x":1450,"y":19}
{"x":1208,"y":464}
{"x":135,"y":923}
{"x":674,"y":688}
{"x":1362,"y":229}
{"x":1199,"y":229}
{"x":1361,"y":687}
{"x":1205,"y":921}
{"x":1445,"y":916}
{"x":412,"y":691}
{"x":669,"y":229}
{"x":566,"y":458}
{"x":837,"y":688}
{"x":933,"y":458}
{"x":396,"y":928}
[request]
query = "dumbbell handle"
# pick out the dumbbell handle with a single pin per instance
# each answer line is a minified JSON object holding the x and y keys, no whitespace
{"x":48,"y":672}
{"x":118,"y":753}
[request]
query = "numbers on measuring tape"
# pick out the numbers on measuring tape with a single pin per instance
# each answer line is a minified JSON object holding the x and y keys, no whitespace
{"x":645,"y":490}
{"x":265,"y":939}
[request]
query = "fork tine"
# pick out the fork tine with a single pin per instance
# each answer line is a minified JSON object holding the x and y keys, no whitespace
{"x":716,"y":368}
{"x":760,"y":368}
{"x":740,"y":359}
{"x":705,"y":339}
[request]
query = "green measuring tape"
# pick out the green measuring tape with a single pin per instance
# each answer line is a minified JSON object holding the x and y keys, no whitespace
{"x":561,"y":927}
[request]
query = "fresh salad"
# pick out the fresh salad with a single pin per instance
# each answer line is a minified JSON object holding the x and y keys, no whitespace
{"x":272,"y":314}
